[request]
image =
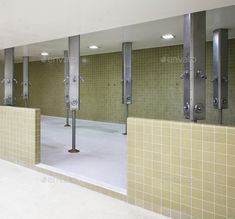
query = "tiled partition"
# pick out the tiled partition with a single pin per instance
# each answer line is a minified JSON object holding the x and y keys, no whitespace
{"x":20,"y":135}
{"x":182,"y":170}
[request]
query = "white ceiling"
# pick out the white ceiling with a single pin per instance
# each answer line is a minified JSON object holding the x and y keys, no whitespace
{"x":27,"y":21}
{"x":145,"y":35}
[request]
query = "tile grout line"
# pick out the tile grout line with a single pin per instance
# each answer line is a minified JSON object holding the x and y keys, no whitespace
{"x":135,"y":158}
{"x":180,"y":166}
{"x":161,"y":209}
{"x":202,"y":178}
{"x":226,"y":178}
{"x":191,"y":177}
{"x":214,"y":167}
{"x":170,"y":169}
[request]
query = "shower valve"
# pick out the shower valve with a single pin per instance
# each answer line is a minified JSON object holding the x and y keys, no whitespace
{"x":200,"y":74}
{"x":186,"y":107}
{"x":74,"y":102}
{"x":6,"y":80}
{"x":182,"y":76}
{"x":198,"y":108}
{"x":215,"y":101}
{"x":66,"y":80}
{"x":224,"y":101}
{"x":224,"y":79}
{"x":74,"y":78}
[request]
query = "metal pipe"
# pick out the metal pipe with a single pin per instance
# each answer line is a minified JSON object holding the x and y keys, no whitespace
{"x":67,"y":118}
{"x":126,"y":117}
{"x":220,"y":64}
{"x":126,"y":78}
{"x":74,"y":84}
{"x":26,"y":80}
{"x":26,"y":103}
{"x":220,"y":116}
{"x":74,"y":150}
{"x":9,"y":77}
{"x":194,"y":66}
{"x":66,"y":86}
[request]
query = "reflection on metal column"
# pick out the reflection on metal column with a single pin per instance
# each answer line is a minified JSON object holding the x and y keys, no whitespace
{"x":220,"y":82}
{"x":194,"y":66}
{"x":26,"y":80}
{"x":9,"y":77}
{"x":126,"y":78}
{"x":66,"y":86}
{"x":74,"y":84}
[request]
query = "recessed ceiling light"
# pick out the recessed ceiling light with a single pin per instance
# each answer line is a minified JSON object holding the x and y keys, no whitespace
{"x":93,"y":47}
{"x":168,"y":36}
{"x":44,"y":54}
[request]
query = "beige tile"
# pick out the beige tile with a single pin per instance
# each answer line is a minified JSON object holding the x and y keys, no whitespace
{"x":192,"y":171}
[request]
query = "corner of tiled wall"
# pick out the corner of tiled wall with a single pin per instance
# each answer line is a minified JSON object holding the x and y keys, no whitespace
{"x":20,"y":135}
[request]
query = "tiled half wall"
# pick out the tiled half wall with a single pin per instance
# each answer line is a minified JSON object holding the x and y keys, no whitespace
{"x":20,"y":135}
{"x":182,"y":170}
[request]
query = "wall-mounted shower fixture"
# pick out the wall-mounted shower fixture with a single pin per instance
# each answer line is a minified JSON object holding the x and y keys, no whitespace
{"x":25,"y":82}
{"x":66,"y":86}
{"x":194,"y":66}
{"x":126,"y":78}
{"x":9,"y":77}
{"x":74,"y":84}
{"x":220,"y":63}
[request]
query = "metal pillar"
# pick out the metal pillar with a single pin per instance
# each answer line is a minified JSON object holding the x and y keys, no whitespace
{"x":74,"y":84}
{"x":73,"y":150}
{"x":66,"y":86}
{"x":9,"y":77}
{"x":220,"y":82}
{"x":26,"y":80}
{"x":126,"y":78}
{"x":194,"y":66}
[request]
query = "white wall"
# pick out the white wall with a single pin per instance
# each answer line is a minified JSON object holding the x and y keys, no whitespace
{"x":26,"y":21}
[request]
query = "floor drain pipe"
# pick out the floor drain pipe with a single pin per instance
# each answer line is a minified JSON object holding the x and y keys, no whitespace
{"x":66,"y":86}
{"x":74,"y":84}
{"x":25,"y":80}
{"x":126,"y":78}
{"x":220,"y":64}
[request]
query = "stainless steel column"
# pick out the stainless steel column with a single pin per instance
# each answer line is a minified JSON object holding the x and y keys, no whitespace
{"x":26,"y":80}
{"x":220,"y":82}
{"x":126,"y":78}
{"x":66,"y":86}
{"x":194,"y":66}
{"x":74,"y":84}
{"x":9,"y":77}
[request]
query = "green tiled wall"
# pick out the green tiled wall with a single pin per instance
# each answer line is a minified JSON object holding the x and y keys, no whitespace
{"x":157,"y":87}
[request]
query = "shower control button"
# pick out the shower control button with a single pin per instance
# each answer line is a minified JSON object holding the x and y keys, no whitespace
{"x":186,"y":107}
{"x":225,"y":79}
{"x":224,"y":101}
{"x":198,"y":108}
{"x":215,"y":102}
{"x":200,"y":74}
{"x":74,"y":78}
{"x":74,"y":102}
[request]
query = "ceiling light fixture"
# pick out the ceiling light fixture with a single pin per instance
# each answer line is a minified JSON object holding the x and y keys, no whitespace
{"x":93,"y":47}
{"x":44,"y":54}
{"x":168,"y":36}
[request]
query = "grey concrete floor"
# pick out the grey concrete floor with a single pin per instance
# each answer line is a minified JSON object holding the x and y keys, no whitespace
{"x":28,"y":194}
{"x":103,"y":151}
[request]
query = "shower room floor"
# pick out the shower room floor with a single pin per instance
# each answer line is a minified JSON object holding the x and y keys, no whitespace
{"x":103,"y":151}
